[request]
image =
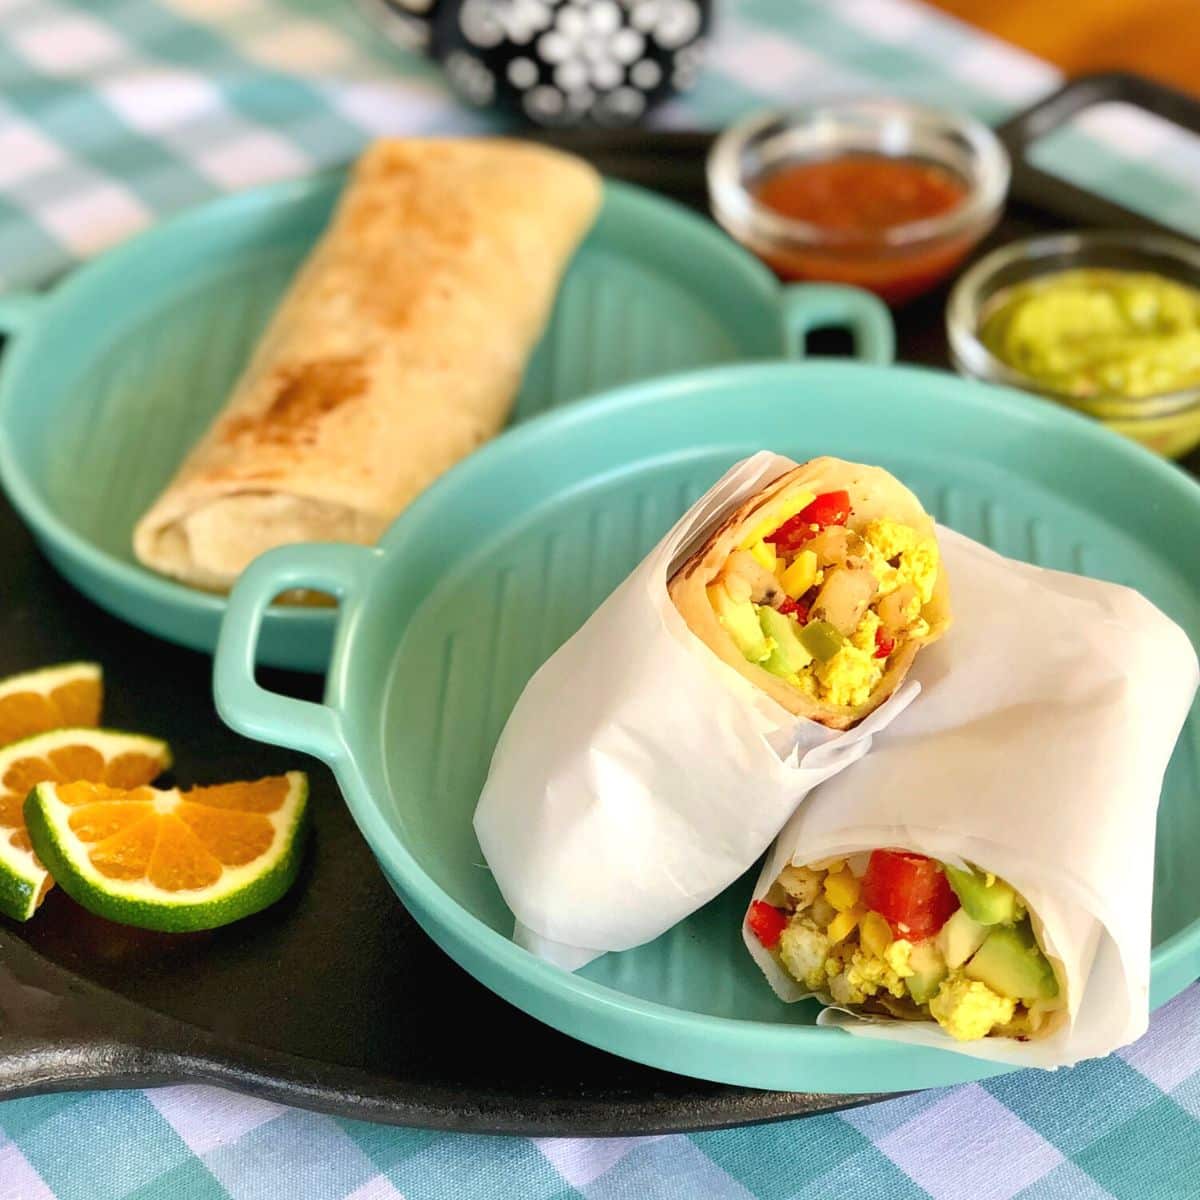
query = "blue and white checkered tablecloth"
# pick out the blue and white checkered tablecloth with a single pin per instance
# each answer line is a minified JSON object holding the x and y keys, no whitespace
{"x":116,"y":112}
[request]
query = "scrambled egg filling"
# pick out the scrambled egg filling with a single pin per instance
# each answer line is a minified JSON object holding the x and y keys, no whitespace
{"x":866,"y":973}
{"x":849,"y":677}
{"x":967,"y":1009}
{"x":864,"y":636}
{"x":916,"y":558}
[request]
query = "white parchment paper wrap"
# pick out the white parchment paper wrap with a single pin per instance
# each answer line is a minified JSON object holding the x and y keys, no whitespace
{"x":638,"y":775}
{"x":1047,"y":717}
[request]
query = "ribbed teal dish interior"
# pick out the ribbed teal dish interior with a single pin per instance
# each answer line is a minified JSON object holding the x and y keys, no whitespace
{"x":505,"y":558}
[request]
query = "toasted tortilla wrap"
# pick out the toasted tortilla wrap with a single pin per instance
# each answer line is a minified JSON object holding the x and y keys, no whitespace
{"x":875,"y":495}
{"x":397,"y":350}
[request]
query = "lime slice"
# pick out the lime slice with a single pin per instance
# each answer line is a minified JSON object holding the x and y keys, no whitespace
{"x":69,"y":695}
{"x":171,"y":860}
{"x":61,"y":756}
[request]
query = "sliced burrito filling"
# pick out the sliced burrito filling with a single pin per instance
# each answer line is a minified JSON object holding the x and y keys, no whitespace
{"x":821,"y":589}
{"x":895,"y":934}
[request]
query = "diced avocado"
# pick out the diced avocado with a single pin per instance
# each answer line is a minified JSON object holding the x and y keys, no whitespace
{"x":929,"y":969}
{"x":992,"y":903}
{"x":789,"y":656}
{"x":741,"y":622}
{"x":821,"y":640}
{"x":960,"y":937}
{"x":1010,"y":963}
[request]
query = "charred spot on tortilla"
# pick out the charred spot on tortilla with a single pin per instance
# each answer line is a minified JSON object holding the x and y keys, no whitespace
{"x":304,"y":395}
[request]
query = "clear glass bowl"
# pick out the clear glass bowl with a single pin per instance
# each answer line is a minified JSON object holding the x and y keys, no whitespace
{"x":897,"y":262}
{"x":1168,"y":422}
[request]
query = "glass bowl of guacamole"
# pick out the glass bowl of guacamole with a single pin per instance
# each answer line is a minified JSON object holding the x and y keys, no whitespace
{"x":1108,"y":323}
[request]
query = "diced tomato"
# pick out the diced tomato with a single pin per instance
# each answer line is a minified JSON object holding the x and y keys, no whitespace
{"x":792,"y":534}
{"x":795,"y":608}
{"x":829,"y":508}
{"x":766,"y":922}
{"x":910,"y":891}
{"x":884,"y":643}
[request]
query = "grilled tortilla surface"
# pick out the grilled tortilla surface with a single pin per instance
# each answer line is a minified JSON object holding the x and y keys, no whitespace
{"x":397,"y":350}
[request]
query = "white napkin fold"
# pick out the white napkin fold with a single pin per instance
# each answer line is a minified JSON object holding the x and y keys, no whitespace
{"x":1048,"y":715}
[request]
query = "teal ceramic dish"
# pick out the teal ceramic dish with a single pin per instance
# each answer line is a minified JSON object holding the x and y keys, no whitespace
{"x":504,"y":558}
{"x":112,"y":376}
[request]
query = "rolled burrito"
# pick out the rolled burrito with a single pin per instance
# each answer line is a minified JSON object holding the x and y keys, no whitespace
{"x":608,"y":819}
{"x":820,"y":589}
{"x":397,"y":350}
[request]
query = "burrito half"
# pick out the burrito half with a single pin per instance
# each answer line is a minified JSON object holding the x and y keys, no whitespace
{"x":397,"y":350}
{"x":820,"y":589}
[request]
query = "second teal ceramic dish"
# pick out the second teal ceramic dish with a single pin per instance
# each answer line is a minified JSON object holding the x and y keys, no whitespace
{"x":503,"y":559}
{"x":114,"y":374}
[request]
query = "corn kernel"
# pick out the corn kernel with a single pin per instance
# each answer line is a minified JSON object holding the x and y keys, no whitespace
{"x":765,"y":553}
{"x":801,"y":575}
{"x":843,"y":925}
{"x":875,"y":934}
{"x":842,"y":889}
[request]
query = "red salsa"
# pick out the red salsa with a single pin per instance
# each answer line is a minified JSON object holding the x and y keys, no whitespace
{"x":861,"y":196}
{"x":860,"y":193}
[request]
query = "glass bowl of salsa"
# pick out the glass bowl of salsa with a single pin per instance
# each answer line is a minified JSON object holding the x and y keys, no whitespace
{"x":881,"y":193}
{"x":1105,"y":322}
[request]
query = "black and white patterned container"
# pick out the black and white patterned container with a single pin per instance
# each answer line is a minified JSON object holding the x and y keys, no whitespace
{"x":559,"y":62}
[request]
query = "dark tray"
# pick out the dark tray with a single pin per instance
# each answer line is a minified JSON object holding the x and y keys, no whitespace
{"x":333,"y":999}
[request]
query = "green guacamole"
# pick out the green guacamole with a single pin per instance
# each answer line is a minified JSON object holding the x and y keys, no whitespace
{"x":1099,"y":333}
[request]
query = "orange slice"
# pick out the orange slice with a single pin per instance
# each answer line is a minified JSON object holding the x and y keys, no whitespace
{"x":52,"y":698}
{"x":62,"y":755}
{"x":171,"y":860}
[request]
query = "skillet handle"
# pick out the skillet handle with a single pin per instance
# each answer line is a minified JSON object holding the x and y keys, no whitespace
{"x":17,"y":311}
{"x":808,"y":306}
{"x":243,"y":703}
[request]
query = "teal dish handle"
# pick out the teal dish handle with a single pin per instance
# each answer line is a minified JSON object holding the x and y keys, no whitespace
{"x":805,"y":307}
{"x":17,"y":311}
{"x":242,"y":702}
